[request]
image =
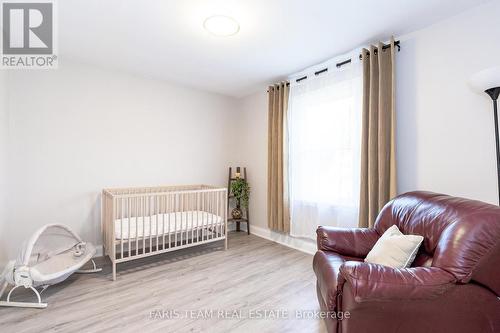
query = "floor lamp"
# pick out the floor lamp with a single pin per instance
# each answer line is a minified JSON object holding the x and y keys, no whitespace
{"x":488,"y":81}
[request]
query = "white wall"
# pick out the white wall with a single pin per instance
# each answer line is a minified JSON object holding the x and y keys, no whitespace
{"x":445,"y":132}
{"x":3,"y":164}
{"x":78,"y":129}
{"x":253,"y":153}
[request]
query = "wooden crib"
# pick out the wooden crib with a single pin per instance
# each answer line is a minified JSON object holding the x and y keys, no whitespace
{"x":141,"y":222}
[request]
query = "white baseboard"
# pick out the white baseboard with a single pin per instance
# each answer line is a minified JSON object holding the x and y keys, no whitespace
{"x":301,"y":244}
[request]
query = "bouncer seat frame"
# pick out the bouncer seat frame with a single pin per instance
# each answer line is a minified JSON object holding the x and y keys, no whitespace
{"x":50,"y":256}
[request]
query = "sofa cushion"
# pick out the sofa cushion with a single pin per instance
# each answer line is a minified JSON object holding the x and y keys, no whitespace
{"x":326,"y":265}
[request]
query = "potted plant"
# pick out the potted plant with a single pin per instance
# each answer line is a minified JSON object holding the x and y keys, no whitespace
{"x":241,"y":192}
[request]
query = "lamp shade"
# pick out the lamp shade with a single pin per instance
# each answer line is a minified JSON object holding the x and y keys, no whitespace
{"x":485,"y":79}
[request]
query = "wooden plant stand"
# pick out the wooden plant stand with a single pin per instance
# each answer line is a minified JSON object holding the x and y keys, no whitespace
{"x":246,"y":216}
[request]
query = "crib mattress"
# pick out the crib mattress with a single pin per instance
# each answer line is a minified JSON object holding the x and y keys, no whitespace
{"x":160,"y":224}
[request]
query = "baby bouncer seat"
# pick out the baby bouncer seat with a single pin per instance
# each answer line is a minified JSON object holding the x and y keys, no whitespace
{"x":50,"y":256}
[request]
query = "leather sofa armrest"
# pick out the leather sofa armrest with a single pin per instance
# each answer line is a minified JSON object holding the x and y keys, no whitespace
{"x":372,"y":282}
{"x":354,"y":242}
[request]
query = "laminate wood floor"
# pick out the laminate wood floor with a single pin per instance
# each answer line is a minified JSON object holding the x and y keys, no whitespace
{"x":254,"y":286}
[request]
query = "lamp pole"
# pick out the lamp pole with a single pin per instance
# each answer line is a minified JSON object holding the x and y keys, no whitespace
{"x":493,"y":93}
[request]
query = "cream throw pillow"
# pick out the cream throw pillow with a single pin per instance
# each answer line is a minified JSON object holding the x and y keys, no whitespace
{"x":394,"y":249}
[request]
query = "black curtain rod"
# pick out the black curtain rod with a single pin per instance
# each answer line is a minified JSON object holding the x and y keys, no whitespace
{"x":345,"y":62}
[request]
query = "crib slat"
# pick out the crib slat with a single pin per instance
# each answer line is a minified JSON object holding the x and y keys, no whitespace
{"x":190,"y":220}
{"x":209,"y":217}
{"x":129,"y":223}
{"x":181,"y":229}
{"x":121,"y":228}
{"x":186,"y":212}
{"x":216,"y":217}
{"x":163,"y":211}
{"x":186,"y":217}
{"x":217,"y":225}
{"x":186,"y":209}
{"x":169,"y":216}
{"x":156,"y":220}
{"x":226,"y":204}
{"x":113,"y":219}
{"x":222,"y":207}
{"x":150,"y":224}
{"x":212,"y":202}
{"x":219,"y":213}
{"x":175,"y":219}
{"x":108,"y":226}
{"x":103,"y":223}
{"x":192,"y":224}
{"x":189,"y":227}
{"x":136,"y":225}
{"x":204,"y":214}
{"x":207,"y":210}
{"x":143,"y":214}
{"x":181,"y":214}
{"x":195,"y":217}
{"x":198,"y":217}
{"x":207,"y":231}
{"x":183,"y":218}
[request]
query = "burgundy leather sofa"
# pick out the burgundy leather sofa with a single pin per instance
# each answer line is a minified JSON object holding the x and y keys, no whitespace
{"x":453,"y":285}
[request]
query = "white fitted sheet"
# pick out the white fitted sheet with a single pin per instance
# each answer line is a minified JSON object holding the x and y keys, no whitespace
{"x":164,"y":224}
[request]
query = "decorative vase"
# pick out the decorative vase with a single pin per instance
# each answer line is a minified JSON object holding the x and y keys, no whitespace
{"x":236,"y":213}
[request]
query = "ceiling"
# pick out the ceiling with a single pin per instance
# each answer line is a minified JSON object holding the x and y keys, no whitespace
{"x":165,"y":39}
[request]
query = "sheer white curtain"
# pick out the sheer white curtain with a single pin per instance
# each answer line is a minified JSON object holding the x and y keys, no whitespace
{"x":324,"y":149}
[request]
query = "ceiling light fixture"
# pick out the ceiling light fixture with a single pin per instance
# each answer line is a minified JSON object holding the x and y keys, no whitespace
{"x":222,"y":26}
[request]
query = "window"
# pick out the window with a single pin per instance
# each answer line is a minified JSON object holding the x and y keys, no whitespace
{"x":324,"y":133}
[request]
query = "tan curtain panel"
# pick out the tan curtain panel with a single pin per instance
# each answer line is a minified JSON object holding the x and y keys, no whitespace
{"x":278,"y":215}
{"x":378,"y":164}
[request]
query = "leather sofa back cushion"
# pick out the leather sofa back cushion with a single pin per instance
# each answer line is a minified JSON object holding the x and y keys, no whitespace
{"x":460,"y":235}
